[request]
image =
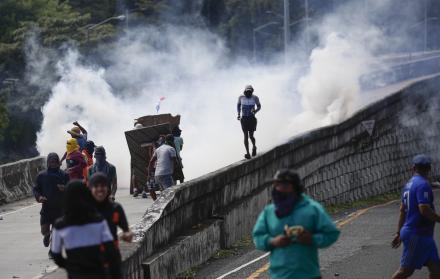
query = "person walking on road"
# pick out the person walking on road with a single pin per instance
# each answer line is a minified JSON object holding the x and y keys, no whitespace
{"x":416,"y":223}
{"x":75,"y":160}
{"x":165,"y":158}
{"x":246,"y":106}
{"x":102,"y":165}
{"x":292,"y":228}
{"x":49,"y":191}
{"x":112,"y":211}
{"x":85,"y":237}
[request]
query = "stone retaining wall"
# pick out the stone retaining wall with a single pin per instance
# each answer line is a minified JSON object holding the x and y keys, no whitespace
{"x":18,"y":178}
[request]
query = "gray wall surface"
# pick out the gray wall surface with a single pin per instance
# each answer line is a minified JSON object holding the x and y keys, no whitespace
{"x":18,"y":178}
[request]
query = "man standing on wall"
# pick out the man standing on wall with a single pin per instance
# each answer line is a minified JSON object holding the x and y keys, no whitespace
{"x":416,"y":223}
{"x":49,"y":191}
{"x":246,"y":106}
{"x":292,"y":228}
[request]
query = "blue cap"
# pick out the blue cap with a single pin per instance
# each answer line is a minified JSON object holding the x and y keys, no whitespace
{"x":422,"y":159}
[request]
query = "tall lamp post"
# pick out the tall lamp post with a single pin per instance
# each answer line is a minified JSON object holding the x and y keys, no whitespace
{"x":254,"y":38}
{"x":287,"y":24}
{"x":425,"y":22}
{"x":91,"y":27}
{"x":286,"y":28}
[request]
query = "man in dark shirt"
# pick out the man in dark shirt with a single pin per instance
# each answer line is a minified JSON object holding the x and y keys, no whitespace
{"x":110,"y":210}
{"x":102,"y":165}
{"x":49,"y":191}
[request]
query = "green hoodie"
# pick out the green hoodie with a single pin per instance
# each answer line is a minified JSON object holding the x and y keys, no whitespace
{"x":295,"y":260}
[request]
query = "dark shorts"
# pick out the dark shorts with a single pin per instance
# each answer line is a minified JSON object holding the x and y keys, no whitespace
{"x":249,"y":123}
{"x":418,"y":251}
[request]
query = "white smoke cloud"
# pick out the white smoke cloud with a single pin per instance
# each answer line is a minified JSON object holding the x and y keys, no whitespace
{"x":191,"y":71}
{"x":191,"y":68}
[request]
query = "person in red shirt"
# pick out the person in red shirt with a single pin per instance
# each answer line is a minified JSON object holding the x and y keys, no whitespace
{"x":75,"y":160}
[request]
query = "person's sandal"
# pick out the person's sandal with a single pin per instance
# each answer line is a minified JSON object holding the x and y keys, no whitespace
{"x":254,"y":151}
{"x":247,"y":156}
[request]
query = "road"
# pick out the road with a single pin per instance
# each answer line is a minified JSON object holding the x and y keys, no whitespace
{"x":23,"y":254}
{"x":362,"y":251}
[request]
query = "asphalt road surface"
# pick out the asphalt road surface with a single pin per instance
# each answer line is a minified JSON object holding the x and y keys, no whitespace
{"x":362,"y":252}
{"x":22,"y":252}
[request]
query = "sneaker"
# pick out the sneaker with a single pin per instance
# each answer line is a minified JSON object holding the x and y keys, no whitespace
{"x":247,"y":156}
{"x":254,"y":151}
{"x":135,"y":194}
{"x":144,"y":195}
{"x":46,"y":240}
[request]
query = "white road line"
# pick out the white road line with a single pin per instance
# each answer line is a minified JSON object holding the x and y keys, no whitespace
{"x":18,"y":210}
{"x":243,"y":266}
{"x":48,"y":270}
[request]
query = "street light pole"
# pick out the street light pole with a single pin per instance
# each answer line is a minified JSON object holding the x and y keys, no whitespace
{"x":306,"y":7}
{"x":254,"y":39}
{"x":425,"y":35}
{"x":286,"y":28}
{"x":91,"y":27}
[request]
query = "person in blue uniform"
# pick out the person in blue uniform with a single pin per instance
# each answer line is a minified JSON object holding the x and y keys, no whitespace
{"x":416,"y":223}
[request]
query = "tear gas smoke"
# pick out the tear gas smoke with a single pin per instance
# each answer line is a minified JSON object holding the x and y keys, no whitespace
{"x":189,"y":67}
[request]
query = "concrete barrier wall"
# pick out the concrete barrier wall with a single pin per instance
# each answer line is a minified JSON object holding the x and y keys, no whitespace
{"x":339,"y":164}
{"x":18,"y":178}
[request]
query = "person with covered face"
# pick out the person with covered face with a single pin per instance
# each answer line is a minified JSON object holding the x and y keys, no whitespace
{"x":75,"y":161}
{"x":248,"y":105}
{"x":49,"y":191}
{"x":102,"y":165}
{"x":292,"y":228}
{"x":81,"y":240}
{"x":112,"y":211}
{"x":80,"y":134}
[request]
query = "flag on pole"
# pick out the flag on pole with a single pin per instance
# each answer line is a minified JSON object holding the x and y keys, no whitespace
{"x":158,"y":104}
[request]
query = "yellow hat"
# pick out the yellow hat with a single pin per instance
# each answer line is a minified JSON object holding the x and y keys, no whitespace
{"x":72,"y":145}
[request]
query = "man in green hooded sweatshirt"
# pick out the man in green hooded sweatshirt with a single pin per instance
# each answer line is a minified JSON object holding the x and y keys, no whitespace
{"x":293,"y":228}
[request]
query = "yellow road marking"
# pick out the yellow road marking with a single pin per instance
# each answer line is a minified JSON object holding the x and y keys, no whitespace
{"x":258,"y":272}
{"x":339,"y":225}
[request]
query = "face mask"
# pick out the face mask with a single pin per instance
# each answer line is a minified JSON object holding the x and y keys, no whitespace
{"x":248,"y":94}
{"x":72,"y":145}
{"x":284,"y":203}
